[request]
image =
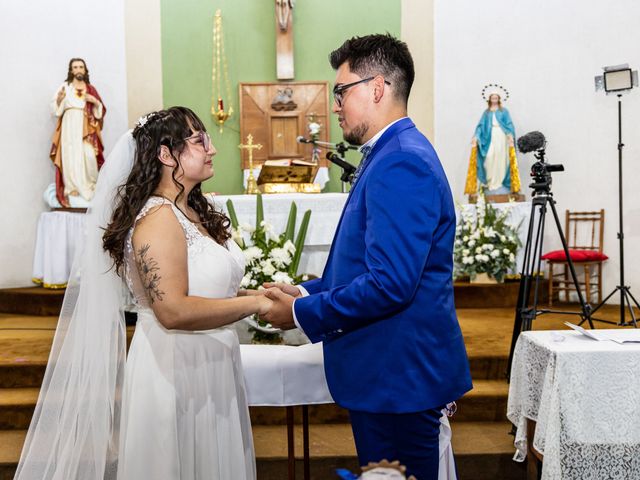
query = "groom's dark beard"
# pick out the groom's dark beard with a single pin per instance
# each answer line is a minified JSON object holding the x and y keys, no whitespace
{"x":355,"y":136}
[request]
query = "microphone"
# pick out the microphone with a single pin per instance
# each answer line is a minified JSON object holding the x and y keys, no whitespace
{"x":531,"y":141}
{"x":301,"y":139}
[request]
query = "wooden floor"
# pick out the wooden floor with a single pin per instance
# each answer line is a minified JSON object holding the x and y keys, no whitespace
{"x":481,"y":437}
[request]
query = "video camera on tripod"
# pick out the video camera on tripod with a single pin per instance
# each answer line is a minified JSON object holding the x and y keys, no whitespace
{"x":541,"y":198}
{"x":540,"y":170}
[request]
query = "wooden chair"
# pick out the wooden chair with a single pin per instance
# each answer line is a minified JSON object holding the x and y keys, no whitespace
{"x":584,"y":232}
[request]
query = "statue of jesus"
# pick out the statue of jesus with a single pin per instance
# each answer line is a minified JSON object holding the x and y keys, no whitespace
{"x":77,"y":146}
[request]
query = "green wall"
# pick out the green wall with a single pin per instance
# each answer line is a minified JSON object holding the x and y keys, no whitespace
{"x":320,"y":26}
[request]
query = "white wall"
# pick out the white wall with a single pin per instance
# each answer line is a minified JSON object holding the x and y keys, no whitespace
{"x":546,"y":54}
{"x":37,"y":39}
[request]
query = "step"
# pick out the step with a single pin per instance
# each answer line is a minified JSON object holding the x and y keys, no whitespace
{"x":31,"y":301}
{"x":16,"y":407}
{"x":11,"y":442}
{"x":487,"y":402}
{"x":483,"y":451}
{"x":493,"y":295}
{"x":25,"y":343}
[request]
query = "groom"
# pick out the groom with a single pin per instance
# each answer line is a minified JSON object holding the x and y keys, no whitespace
{"x":393,"y":350}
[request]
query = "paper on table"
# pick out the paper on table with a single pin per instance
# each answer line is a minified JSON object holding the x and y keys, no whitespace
{"x":618,"y":336}
{"x":591,"y":334}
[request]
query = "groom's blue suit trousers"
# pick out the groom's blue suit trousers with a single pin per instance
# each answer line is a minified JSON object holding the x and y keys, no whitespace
{"x":411,"y":438}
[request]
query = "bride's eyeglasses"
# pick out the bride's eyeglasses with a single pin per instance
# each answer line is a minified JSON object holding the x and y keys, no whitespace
{"x":203,"y":138}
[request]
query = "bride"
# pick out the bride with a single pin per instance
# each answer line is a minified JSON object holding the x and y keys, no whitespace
{"x":177,"y":409}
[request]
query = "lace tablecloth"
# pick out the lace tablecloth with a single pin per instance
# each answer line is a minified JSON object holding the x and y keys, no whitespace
{"x":585,"y":397}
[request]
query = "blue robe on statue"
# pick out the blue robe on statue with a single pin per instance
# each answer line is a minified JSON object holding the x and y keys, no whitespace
{"x":483,"y":134}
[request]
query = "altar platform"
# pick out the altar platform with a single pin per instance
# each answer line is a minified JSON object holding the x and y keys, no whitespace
{"x":481,"y":439}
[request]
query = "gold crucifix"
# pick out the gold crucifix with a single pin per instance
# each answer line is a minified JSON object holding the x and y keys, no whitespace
{"x":252,"y":185}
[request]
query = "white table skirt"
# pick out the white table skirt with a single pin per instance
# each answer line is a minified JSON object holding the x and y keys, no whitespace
{"x":279,"y":375}
{"x":584,"y":396}
{"x":57,"y":239}
{"x":518,"y":217}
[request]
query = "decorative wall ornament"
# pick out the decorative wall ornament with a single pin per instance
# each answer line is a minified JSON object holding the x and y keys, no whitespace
{"x":220,"y":115}
{"x":283,"y":101}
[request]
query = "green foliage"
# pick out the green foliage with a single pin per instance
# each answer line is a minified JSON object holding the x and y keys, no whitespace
{"x":269,"y":257}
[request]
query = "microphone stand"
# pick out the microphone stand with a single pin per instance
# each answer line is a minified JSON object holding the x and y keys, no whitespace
{"x":341,"y":148}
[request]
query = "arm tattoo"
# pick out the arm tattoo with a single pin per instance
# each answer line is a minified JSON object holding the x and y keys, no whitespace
{"x":149,"y":277}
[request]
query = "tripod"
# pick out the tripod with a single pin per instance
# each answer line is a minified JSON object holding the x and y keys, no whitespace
{"x":625,"y":291}
{"x":542,"y":198}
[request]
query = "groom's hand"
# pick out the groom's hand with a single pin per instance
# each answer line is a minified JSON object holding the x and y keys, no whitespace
{"x":285,"y":288}
{"x":280,"y":315}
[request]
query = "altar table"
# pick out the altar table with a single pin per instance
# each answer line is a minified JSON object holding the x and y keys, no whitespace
{"x":59,"y":233}
{"x":326,"y":209}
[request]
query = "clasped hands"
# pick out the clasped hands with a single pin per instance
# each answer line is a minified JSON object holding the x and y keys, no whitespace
{"x":278,"y":311}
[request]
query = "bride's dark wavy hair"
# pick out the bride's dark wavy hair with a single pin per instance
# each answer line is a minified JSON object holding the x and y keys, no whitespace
{"x":166,"y":127}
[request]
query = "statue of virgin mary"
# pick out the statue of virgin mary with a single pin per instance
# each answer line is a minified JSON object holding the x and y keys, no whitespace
{"x":493,"y":164}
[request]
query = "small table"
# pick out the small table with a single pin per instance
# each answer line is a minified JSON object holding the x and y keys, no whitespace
{"x":584,"y":396}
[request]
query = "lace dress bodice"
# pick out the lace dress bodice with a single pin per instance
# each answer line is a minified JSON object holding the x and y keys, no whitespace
{"x":214,"y":271}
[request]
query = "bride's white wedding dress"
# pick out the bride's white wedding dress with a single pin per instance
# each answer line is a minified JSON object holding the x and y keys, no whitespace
{"x":184,"y":406}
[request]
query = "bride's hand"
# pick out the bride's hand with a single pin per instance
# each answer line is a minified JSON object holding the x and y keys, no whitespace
{"x":263,"y":305}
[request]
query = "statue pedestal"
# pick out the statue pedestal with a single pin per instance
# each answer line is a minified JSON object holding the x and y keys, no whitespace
{"x":502,"y":198}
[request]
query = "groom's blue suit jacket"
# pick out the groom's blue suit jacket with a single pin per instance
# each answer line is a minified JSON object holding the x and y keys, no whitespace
{"x":384,"y":305}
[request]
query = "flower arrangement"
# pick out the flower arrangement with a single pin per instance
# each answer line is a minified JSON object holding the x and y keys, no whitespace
{"x":485,"y":243}
{"x":269,"y":257}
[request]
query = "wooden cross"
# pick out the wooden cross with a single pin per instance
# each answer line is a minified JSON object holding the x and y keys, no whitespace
{"x":284,"y":39}
{"x":252,"y":185}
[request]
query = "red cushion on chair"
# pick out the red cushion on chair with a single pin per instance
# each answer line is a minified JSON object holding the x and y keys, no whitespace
{"x":576,"y":256}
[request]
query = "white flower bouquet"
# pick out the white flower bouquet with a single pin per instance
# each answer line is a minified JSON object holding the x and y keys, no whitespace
{"x":269,"y":257}
{"x":485,"y":243}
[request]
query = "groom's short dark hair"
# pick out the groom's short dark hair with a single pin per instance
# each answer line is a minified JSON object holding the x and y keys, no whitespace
{"x":378,"y":55}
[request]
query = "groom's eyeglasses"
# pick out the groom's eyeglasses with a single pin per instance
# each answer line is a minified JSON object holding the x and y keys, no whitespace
{"x":203,"y":138}
{"x":338,"y":90}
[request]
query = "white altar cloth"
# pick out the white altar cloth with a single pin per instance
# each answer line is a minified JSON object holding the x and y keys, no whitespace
{"x":59,"y":233}
{"x":585,"y":397}
{"x":518,"y":217}
{"x":326,"y":209}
